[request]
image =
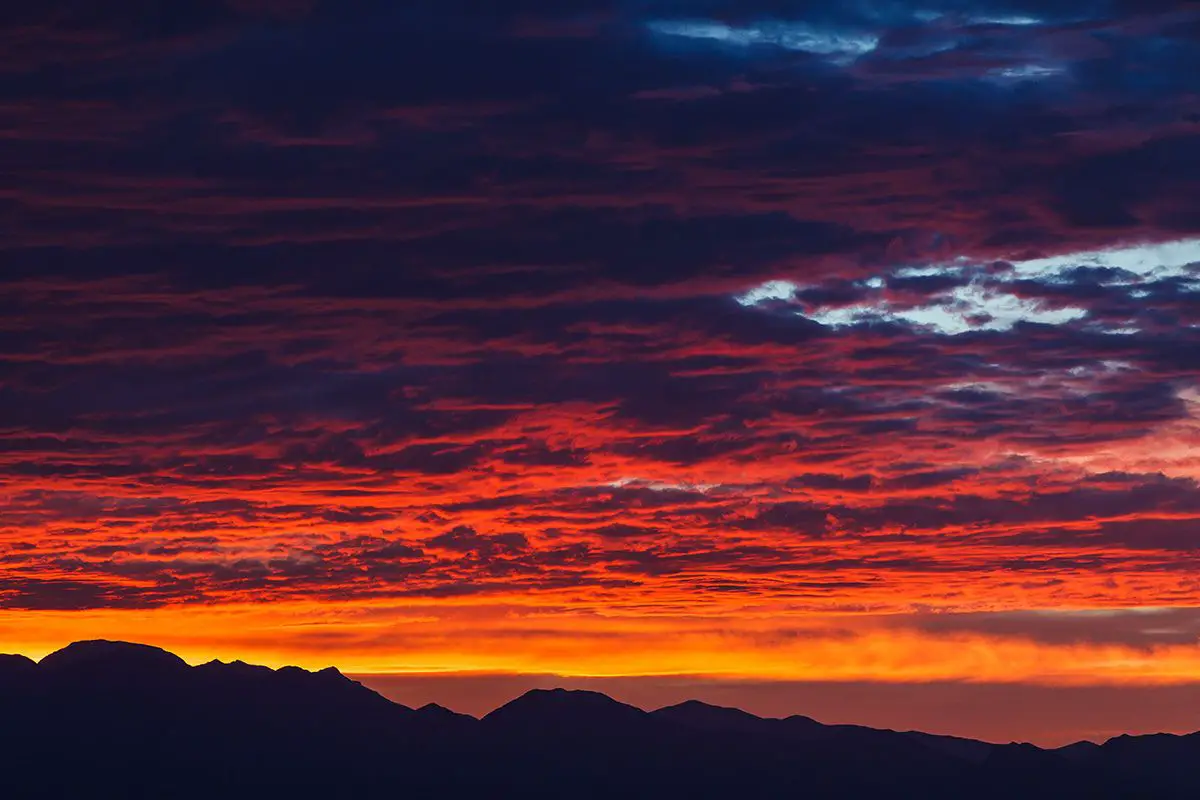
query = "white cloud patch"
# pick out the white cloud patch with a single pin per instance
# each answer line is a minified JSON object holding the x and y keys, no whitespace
{"x":933,"y":15}
{"x":1147,"y":261}
{"x":771,"y":290}
{"x":663,"y":486}
{"x":987,"y":301}
{"x":965,"y":308}
{"x":1025,"y":72}
{"x":1014,"y":20}
{"x":841,"y":45}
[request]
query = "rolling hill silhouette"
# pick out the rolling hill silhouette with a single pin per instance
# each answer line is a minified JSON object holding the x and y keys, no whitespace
{"x":106,"y":719}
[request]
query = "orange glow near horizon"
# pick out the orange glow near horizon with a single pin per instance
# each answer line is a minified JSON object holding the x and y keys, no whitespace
{"x":1006,"y":572}
{"x":806,"y":647}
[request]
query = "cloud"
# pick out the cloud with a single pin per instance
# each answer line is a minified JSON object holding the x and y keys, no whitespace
{"x":649,"y":309}
{"x":789,"y":36}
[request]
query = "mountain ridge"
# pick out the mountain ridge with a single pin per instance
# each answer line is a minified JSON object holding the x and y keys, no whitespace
{"x":107,"y":652}
{"x":132,"y":720}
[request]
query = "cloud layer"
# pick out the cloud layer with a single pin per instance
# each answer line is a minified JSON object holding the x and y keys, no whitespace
{"x":605,"y":311}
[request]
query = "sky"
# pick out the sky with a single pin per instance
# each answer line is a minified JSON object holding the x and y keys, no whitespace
{"x":821,"y":357}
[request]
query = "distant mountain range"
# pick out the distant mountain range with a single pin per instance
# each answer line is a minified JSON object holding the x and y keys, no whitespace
{"x":114,"y":720}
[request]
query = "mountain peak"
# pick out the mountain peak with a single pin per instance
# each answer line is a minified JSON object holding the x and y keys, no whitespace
{"x":560,"y":708}
{"x":695,"y":714}
{"x":99,"y":656}
{"x":441,"y":719}
{"x":16,"y":661}
{"x":328,"y":677}
{"x":15,"y":666}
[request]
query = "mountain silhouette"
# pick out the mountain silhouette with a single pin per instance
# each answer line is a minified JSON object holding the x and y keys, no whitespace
{"x":563,"y":712}
{"x":702,"y":716}
{"x":104,"y":719}
{"x":102,"y":656}
{"x":12,"y":667}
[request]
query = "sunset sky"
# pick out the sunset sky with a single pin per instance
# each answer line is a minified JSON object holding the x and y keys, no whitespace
{"x":838,"y":358}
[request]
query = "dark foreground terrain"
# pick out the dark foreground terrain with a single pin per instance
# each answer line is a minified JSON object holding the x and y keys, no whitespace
{"x":114,"y":720}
